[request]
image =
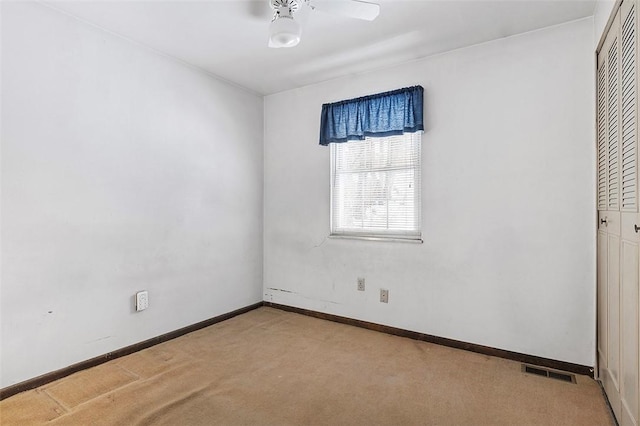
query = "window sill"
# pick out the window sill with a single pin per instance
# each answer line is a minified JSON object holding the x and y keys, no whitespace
{"x":412,"y":240}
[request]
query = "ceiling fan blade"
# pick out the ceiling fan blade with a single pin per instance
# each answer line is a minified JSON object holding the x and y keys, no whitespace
{"x":353,"y":8}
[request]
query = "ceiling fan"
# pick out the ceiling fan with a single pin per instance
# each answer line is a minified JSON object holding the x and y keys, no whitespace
{"x":285,"y":31}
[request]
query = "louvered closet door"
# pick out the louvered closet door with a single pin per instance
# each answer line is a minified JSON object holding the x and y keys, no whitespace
{"x":630,"y":239}
{"x":602,"y":144}
{"x":619,"y":220}
{"x":609,"y":251}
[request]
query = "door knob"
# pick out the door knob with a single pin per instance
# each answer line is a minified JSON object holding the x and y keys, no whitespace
{"x":636,"y":228}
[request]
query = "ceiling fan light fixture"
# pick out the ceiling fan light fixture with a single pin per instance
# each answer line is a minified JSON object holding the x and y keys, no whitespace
{"x":284,"y":31}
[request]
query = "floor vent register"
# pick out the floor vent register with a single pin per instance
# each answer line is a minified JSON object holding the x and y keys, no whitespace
{"x":552,"y":374}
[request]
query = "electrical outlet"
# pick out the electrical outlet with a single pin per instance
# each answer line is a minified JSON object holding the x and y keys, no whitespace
{"x":360,"y":284}
{"x":384,"y":295}
{"x":142,"y":300}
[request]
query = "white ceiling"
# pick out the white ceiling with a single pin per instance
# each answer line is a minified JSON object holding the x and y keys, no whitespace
{"x":229,"y":38}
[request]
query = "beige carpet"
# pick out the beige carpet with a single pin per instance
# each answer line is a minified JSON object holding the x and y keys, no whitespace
{"x":270,"y":367}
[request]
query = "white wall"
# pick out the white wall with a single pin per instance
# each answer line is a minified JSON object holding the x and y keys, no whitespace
{"x":122,"y":170}
{"x":508,"y":258}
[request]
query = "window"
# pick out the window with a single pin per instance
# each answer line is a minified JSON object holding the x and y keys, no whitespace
{"x":375,"y":187}
{"x":375,"y":163}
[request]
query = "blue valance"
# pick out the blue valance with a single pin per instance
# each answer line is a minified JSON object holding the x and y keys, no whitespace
{"x":384,"y":114}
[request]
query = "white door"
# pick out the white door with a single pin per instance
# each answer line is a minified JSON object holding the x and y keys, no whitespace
{"x":618,"y":249}
{"x":629,"y":232}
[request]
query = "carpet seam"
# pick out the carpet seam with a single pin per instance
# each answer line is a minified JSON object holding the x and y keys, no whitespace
{"x":58,"y":403}
{"x":75,"y":409}
{"x":134,"y":382}
{"x":150,"y":417}
{"x":136,"y":379}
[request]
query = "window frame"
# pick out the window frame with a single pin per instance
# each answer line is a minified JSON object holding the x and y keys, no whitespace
{"x":414,"y":236}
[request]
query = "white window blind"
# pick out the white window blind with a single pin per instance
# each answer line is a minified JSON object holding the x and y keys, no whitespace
{"x":375,"y":187}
